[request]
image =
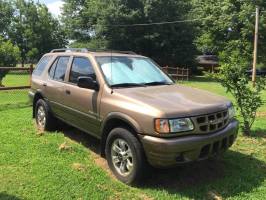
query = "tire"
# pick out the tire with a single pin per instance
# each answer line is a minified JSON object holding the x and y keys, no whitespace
{"x":134,"y":164}
{"x":43,"y":112}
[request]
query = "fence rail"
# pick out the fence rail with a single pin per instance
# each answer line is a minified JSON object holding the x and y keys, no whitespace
{"x":30,"y":69}
{"x":177,"y":73}
{"x":14,"y":88}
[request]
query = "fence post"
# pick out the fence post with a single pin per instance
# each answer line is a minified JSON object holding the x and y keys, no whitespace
{"x":187,"y":73}
{"x":166,"y":69}
{"x":30,"y":72}
{"x":183,"y":70}
{"x":177,"y":73}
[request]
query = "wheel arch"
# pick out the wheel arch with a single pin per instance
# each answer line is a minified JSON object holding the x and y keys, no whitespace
{"x":114,"y":120}
{"x":37,"y":96}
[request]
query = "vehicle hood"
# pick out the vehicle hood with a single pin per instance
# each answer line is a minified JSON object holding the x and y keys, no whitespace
{"x":174,"y":100}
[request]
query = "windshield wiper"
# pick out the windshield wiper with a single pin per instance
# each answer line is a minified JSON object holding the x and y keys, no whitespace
{"x":158,"y":83}
{"x":128,"y":85}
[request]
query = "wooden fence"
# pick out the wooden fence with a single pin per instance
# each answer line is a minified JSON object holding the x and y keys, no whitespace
{"x":28,"y":70}
{"x":177,"y":73}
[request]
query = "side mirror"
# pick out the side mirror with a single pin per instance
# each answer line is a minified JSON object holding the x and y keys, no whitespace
{"x":87,"y":82}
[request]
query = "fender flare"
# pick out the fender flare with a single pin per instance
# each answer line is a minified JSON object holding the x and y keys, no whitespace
{"x":124,"y":117}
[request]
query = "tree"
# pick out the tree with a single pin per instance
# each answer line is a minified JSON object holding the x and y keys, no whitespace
{"x":229,"y":26}
{"x":9,"y":56}
{"x":6,"y":14}
{"x":34,"y":30}
{"x":227,"y":29}
{"x":94,"y":22}
{"x":233,"y":77}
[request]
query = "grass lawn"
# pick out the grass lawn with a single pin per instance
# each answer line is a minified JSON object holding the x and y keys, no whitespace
{"x":63,"y":165}
{"x":16,"y":79}
{"x":14,"y":98}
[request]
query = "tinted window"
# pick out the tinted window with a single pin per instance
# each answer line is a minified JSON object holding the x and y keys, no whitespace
{"x":60,"y":69}
{"x":81,"y":67}
{"x":41,"y":65}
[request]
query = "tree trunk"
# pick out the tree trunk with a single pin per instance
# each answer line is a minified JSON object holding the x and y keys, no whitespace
{"x":246,"y":129}
{"x":22,"y":63}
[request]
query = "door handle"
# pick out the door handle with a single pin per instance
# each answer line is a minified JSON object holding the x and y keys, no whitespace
{"x":68,"y":92}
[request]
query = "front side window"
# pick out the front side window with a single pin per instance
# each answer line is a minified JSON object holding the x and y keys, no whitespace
{"x":58,"y":69}
{"x":81,"y":67}
{"x":41,"y":65}
{"x":119,"y":70}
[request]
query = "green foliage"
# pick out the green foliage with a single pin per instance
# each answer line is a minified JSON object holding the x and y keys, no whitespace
{"x":6,"y":14}
{"x":93,"y":22}
{"x":92,"y":44}
{"x":9,"y":56}
{"x":229,"y":26}
{"x":31,"y":27}
{"x":232,"y":76}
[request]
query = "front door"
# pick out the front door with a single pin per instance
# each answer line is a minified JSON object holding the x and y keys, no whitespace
{"x":82,"y":103}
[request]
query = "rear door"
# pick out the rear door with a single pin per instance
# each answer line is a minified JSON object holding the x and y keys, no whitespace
{"x":82,"y":103}
{"x":55,"y":86}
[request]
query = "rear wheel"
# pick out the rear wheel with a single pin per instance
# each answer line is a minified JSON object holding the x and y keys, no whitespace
{"x":44,"y":119}
{"x":125,"y":156}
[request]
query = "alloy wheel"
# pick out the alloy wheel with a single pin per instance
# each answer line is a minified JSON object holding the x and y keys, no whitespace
{"x":122,"y":157}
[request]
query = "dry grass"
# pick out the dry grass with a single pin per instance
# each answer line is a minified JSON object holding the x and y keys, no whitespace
{"x":79,"y":166}
{"x":213,"y":195}
{"x":64,"y":147}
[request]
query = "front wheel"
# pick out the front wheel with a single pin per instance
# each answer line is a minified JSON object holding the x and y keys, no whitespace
{"x":125,"y":156}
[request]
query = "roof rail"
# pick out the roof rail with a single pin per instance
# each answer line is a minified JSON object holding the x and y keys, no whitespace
{"x":85,"y":50}
{"x":117,"y":51}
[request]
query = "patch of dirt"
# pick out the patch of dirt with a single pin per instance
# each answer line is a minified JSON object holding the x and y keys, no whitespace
{"x":145,"y":197}
{"x":102,"y":163}
{"x":261,"y":114}
{"x":39,"y":132}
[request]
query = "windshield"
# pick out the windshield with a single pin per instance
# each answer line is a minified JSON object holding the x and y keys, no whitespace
{"x":131,"y":71}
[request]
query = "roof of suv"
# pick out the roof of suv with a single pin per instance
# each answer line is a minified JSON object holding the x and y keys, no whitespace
{"x":79,"y":52}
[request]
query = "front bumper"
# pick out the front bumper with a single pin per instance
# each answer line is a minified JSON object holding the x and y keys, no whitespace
{"x":167,"y":152}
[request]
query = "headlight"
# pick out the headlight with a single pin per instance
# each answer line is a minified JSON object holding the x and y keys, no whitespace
{"x":231,"y":112}
{"x":173,"y":125}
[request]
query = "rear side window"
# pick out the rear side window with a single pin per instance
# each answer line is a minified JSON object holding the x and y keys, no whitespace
{"x":58,"y":69}
{"x":81,"y":67}
{"x":41,"y":65}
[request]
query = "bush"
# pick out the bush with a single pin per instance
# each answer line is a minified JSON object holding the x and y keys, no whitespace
{"x":9,"y":56}
{"x":232,"y":76}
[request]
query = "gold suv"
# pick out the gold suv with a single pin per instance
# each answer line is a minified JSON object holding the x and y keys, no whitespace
{"x":137,"y":111}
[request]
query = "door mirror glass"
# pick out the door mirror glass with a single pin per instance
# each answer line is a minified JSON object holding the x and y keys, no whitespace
{"x":87,"y":82}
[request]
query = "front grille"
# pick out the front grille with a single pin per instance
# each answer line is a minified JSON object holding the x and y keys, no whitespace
{"x":211,"y":122}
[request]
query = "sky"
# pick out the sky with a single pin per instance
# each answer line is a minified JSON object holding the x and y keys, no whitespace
{"x":53,"y":6}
